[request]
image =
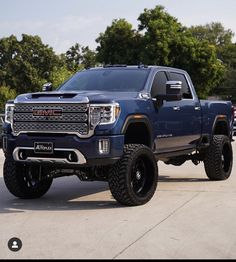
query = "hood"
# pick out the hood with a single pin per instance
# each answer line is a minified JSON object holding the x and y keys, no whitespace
{"x":73,"y":97}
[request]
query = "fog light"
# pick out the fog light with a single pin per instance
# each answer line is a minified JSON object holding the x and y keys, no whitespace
{"x":72,"y":157}
{"x":104,"y":146}
{"x":22,"y":155}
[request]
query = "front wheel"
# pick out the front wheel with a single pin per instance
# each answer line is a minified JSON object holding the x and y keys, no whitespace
{"x":219,"y":158}
{"x":133,"y":179}
{"x":24,"y":181}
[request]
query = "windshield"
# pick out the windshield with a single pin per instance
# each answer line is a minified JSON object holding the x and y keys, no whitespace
{"x":123,"y":80}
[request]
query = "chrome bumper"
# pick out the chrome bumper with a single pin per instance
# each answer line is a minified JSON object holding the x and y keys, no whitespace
{"x":50,"y":160}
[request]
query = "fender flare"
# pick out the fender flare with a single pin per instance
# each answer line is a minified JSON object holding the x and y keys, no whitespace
{"x":218,"y":119}
{"x":132,"y":119}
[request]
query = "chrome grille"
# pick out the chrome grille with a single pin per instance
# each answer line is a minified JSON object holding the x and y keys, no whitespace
{"x":74,"y":119}
{"x":81,"y":128}
{"x":64,"y":107}
{"x":66,"y":117}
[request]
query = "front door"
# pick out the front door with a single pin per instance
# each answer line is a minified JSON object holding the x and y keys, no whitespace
{"x":177,"y":124}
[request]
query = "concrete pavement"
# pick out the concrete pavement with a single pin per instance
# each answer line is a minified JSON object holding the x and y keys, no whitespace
{"x":189,"y":217}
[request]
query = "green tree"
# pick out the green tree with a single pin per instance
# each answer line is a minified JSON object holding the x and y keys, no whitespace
{"x":214,"y":33}
{"x":162,"y":40}
{"x":119,"y":44}
{"x":160,"y":32}
{"x":227,"y":89}
{"x":167,"y":42}
{"x":79,"y":57}
{"x":25,"y":63}
{"x":89,"y":58}
{"x":6,"y":94}
{"x":74,"y":57}
{"x":59,"y":75}
{"x":221,"y":38}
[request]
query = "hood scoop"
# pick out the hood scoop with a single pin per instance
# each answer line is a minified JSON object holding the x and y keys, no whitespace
{"x":53,"y":95}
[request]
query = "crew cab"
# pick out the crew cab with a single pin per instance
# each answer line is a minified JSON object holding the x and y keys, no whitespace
{"x":114,"y":123}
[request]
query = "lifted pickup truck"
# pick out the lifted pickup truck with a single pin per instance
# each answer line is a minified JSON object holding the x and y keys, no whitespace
{"x":113,"y":124}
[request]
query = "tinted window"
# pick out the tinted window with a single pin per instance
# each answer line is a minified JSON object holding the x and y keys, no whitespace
{"x":124,"y":80}
{"x":159,"y":84}
{"x":186,"y":93}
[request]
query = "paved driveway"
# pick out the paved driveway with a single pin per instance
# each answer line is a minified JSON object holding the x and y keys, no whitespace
{"x":189,"y":217}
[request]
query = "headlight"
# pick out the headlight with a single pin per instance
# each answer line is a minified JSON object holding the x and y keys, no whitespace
{"x":9,"y":109}
{"x":101,"y":114}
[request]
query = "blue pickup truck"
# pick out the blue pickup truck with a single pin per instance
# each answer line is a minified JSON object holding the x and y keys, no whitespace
{"x":114,"y":123}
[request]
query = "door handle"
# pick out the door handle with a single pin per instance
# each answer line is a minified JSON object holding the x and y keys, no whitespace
{"x":197,"y":108}
{"x":176,"y":108}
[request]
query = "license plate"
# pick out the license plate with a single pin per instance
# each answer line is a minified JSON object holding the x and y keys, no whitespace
{"x":43,"y":147}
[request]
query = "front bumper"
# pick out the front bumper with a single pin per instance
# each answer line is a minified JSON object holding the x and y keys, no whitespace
{"x":85,"y":151}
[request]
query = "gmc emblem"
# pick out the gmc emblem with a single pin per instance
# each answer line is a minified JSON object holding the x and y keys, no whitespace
{"x":47,"y":112}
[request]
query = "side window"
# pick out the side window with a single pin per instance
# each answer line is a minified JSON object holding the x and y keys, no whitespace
{"x":186,"y":92}
{"x":159,"y":84}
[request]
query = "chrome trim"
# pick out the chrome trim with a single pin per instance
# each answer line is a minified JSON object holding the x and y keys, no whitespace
{"x":90,"y":133}
{"x":144,"y":95}
{"x":51,"y":102}
{"x":107,"y":104}
{"x":62,"y":106}
{"x":80,"y":156}
{"x":174,"y":84}
{"x":176,"y":108}
{"x":84,"y":100}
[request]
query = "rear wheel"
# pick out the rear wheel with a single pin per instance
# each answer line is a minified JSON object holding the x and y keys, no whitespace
{"x":25,"y":181}
{"x":133,"y":179}
{"x":219,"y":158}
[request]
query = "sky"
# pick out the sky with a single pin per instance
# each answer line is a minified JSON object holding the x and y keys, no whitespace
{"x":62,"y":23}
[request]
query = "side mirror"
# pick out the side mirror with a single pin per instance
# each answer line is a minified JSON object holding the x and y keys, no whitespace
{"x":47,"y":87}
{"x":173,"y":92}
{"x":173,"y":87}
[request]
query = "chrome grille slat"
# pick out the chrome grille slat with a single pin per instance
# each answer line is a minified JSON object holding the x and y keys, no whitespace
{"x":65,"y":107}
{"x":67,"y":117}
{"x":81,"y":128}
{"x":74,"y":119}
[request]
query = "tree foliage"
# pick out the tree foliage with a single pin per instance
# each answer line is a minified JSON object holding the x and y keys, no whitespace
{"x":160,"y":34}
{"x":119,"y":44}
{"x":59,"y":75}
{"x":24,"y":63}
{"x":6,"y":94}
{"x":215,"y":34}
{"x":79,"y":57}
{"x":227,"y":88}
{"x":162,"y":40}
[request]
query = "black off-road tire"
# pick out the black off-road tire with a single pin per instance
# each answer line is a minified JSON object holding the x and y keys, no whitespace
{"x":219,"y":158}
{"x":18,"y":183}
{"x":133,"y":179}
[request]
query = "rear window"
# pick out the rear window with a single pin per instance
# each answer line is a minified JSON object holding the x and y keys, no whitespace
{"x":124,"y":80}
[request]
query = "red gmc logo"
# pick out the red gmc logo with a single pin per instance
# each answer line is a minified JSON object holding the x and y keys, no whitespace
{"x":47,"y":112}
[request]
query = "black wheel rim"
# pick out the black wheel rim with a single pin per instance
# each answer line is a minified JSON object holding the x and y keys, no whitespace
{"x":32,"y":177}
{"x":226,"y":158}
{"x":142,"y":177}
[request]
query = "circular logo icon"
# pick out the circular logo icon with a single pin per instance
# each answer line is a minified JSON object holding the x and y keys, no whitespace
{"x":14,"y":244}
